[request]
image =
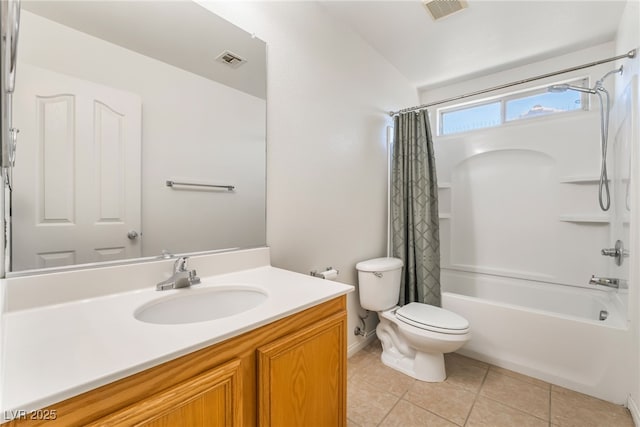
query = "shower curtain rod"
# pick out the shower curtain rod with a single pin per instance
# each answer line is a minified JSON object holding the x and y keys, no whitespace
{"x":630,"y":54}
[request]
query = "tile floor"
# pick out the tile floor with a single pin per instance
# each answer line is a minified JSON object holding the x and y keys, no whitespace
{"x":474,"y":394}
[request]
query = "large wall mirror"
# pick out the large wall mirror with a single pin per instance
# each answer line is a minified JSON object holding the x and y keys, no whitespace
{"x":142,"y":130}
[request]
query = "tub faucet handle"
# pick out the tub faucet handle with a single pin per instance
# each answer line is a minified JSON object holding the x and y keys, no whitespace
{"x":616,"y":252}
{"x":610,"y":252}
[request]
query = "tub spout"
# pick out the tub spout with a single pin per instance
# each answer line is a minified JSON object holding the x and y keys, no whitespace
{"x":605,"y":281}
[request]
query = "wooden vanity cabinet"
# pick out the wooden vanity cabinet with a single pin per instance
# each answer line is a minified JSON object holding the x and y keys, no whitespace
{"x":212,"y":398}
{"x":301,"y":377}
{"x":291,"y":372}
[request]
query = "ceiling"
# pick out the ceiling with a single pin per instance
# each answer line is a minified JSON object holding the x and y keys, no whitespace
{"x":489,"y":36}
{"x":153,"y":28}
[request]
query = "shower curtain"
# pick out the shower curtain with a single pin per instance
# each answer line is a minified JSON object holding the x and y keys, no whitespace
{"x":414,"y":209}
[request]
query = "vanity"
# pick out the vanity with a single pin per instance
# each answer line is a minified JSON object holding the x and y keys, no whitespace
{"x":135,"y":130}
{"x":90,"y":361}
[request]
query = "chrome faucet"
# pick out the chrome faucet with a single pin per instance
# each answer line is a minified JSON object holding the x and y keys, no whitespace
{"x":181,"y":277}
{"x":605,"y":281}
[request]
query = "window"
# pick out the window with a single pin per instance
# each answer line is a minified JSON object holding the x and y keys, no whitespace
{"x":511,"y":107}
{"x":469,"y":118}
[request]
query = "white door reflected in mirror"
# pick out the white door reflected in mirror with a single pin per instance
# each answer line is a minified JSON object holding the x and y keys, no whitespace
{"x":79,"y":142}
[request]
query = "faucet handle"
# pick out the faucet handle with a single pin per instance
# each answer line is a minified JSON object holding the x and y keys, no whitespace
{"x":617,"y":252}
{"x":610,"y":252}
{"x":193,"y":277}
{"x":181,"y":264}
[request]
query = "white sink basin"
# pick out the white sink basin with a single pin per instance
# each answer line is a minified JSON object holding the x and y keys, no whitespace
{"x":190,"y":305}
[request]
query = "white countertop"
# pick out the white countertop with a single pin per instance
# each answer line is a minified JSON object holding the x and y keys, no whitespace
{"x":59,"y":351}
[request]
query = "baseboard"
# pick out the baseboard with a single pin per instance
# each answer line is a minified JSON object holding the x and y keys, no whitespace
{"x":635,"y":412}
{"x":362,"y":343}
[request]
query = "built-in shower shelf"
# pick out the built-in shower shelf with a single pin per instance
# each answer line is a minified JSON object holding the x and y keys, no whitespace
{"x":444,"y":216}
{"x":579,"y":179}
{"x":444,"y":185}
{"x":583,"y":218}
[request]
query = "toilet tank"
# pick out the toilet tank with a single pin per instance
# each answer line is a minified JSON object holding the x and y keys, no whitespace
{"x":379,"y":283}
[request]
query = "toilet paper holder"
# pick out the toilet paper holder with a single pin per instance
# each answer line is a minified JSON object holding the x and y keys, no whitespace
{"x":328,"y":273}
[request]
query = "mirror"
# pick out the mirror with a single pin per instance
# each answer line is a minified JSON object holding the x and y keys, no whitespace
{"x":142,"y":130}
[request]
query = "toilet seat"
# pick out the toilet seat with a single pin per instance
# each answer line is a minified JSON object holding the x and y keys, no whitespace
{"x":431,"y":318}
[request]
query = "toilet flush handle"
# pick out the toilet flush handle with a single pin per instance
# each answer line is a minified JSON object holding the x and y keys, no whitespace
{"x":377,"y":274}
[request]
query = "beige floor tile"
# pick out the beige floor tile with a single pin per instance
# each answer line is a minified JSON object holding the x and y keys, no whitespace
{"x":517,"y":394}
{"x":521,"y":377}
{"x":375,"y":346}
{"x":458,"y":358}
{"x":446,"y":400}
{"x":360,"y":360}
{"x":465,"y":372}
{"x":570,"y":408}
{"x":406,"y":414}
{"x":366,"y":404}
{"x":381,"y":376}
{"x":489,"y":413}
{"x":506,"y":398}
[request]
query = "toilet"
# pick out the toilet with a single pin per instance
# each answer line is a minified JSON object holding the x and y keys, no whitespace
{"x":415,"y":336}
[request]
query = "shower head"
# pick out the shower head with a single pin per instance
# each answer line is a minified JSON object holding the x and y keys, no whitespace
{"x":598,"y":87}
{"x":558,"y":88}
{"x":565,"y":87}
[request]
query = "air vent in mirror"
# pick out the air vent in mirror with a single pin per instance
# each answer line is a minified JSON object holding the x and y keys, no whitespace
{"x":441,"y":8}
{"x":231,"y":59}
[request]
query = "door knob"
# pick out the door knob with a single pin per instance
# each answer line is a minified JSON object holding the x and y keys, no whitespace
{"x":132,"y":235}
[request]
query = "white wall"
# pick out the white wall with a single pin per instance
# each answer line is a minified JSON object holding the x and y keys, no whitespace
{"x":328,"y":93}
{"x":628,"y":38}
{"x":193,"y":128}
{"x":511,"y":214}
{"x":538,"y":243}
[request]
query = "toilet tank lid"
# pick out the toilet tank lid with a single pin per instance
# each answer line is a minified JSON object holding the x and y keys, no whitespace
{"x":380,"y":264}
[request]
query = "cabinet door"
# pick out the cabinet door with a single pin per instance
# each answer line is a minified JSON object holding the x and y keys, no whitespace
{"x":302,"y":377}
{"x":210,"y":399}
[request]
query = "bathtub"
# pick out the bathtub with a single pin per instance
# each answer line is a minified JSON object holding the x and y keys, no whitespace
{"x":547,"y":331}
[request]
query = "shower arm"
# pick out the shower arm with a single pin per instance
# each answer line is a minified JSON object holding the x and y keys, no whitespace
{"x":600,"y":81}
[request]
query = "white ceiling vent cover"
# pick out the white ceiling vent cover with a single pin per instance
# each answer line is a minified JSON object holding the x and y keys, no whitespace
{"x":441,"y":8}
{"x":231,"y":59}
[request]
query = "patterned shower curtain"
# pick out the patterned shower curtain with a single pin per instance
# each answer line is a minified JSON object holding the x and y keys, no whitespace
{"x":414,"y":209}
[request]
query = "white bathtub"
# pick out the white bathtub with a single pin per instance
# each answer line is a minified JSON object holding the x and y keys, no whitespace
{"x":548,"y":331}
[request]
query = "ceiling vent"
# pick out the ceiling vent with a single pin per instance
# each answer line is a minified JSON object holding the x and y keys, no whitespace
{"x":231,"y":59}
{"x":441,"y":8}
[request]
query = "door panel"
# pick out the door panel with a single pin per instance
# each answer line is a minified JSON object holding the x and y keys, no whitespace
{"x":77,"y":176}
{"x":55,"y":190}
{"x":110,"y":146}
{"x":211,"y":399}
{"x":302,"y":378}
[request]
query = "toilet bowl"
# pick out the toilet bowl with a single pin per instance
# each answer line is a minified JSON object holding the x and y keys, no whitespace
{"x":414,"y":337}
